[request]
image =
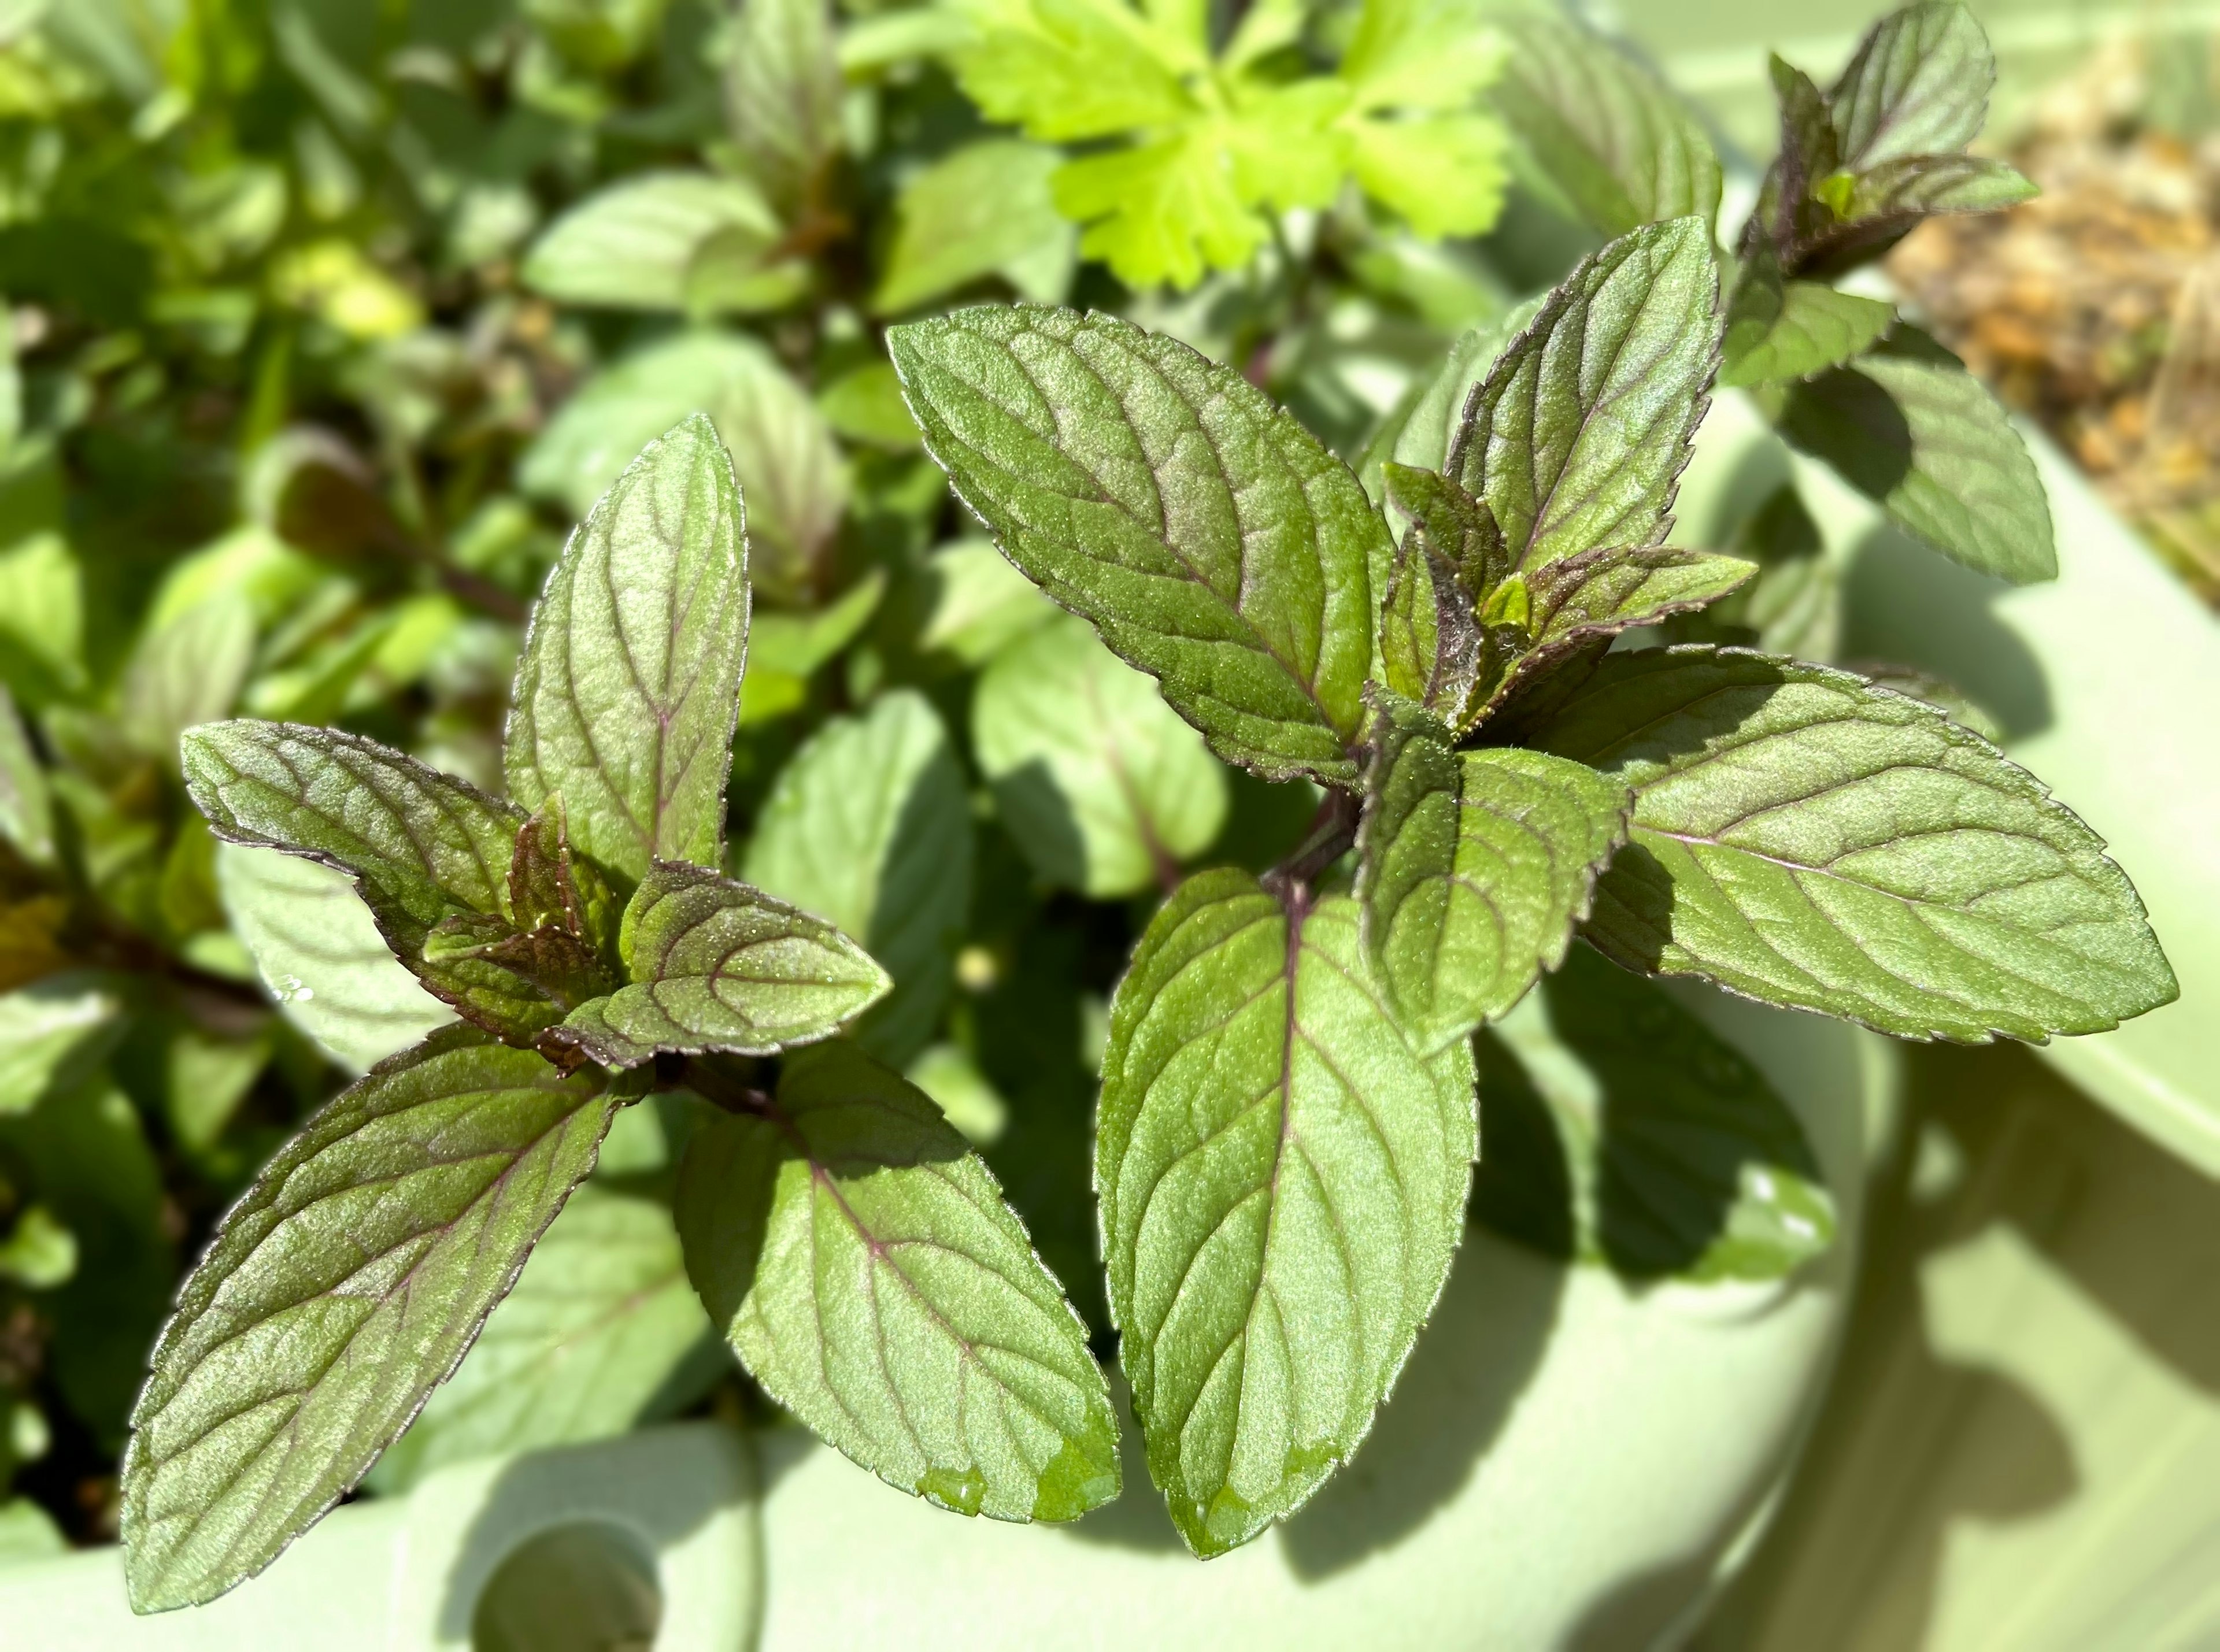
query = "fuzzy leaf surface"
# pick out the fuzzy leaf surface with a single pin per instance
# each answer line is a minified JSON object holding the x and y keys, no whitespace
{"x":1282,"y":1180}
{"x":1919,"y":84}
{"x":1806,"y":839}
{"x":627,"y":692}
{"x":1578,"y":433}
{"x":718,"y":965}
{"x":338,"y":1293}
{"x":1209,"y":538}
{"x":860,"y":1260}
{"x":27,"y":809}
{"x":1474,"y":866}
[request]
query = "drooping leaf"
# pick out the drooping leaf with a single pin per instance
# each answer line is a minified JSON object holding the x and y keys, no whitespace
{"x":1620,"y":144}
{"x":337,"y":1294}
{"x":1917,"y":84}
{"x":27,"y":808}
{"x":629,"y":687}
{"x":782,"y":90}
{"x":667,"y":241}
{"x":1779,"y":329}
{"x":1102,"y":785}
{"x":869,"y":827}
{"x":985,"y":209}
{"x":320,"y":953}
{"x":1066,"y":69}
{"x":1210,"y":539}
{"x":717,"y":965}
{"x":601,"y":1322}
{"x":1283,"y":1180}
{"x":860,"y":1260}
{"x":1908,"y":427}
{"x":1582,"y":425}
{"x":1808,"y":839}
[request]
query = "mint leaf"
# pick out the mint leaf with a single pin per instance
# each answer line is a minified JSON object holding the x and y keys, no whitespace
{"x":1683,"y":1163}
{"x":1474,"y":867}
{"x":320,"y":952}
{"x":1908,"y":427}
{"x":188,"y":671}
{"x":1779,"y":329}
{"x":985,"y":209}
{"x":860,"y":1260}
{"x":786,"y":650}
{"x":1283,"y":1181}
{"x":782,"y":93}
{"x":1420,"y":434}
{"x":601,"y":1322}
{"x":337,"y":1293}
{"x":1433,"y":650}
{"x":1919,"y":84}
{"x":1209,"y":538}
{"x":1603,"y":592}
{"x":668,"y":241}
{"x":627,"y":694}
{"x":1583,"y":423}
{"x":1621,"y":144}
{"x":717,"y":965}
{"x":27,"y":808}
{"x":42,"y":617}
{"x":869,"y":828}
{"x":1806,"y":839}
{"x":981,"y":604}
{"x":1106,"y":790}
{"x":1446,"y":174}
{"x":1065,"y":68}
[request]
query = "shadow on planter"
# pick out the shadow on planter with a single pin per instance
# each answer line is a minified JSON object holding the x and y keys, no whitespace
{"x":1904,"y":605}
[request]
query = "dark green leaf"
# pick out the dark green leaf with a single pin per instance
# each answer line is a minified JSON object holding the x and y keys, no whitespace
{"x":860,"y":1258}
{"x":630,"y":683}
{"x":717,"y":965}
{"x":337,"y":1294}
{"x":1909,"y":427}
{"x":1474,"y":866}
{"x":1210,"y":538}
{"x":1808,"y":839}
{"x":1780,"y":329}
{"x":1576,"y":437}
{"x":1282,"y":1180}
{"x":52,"y":1033}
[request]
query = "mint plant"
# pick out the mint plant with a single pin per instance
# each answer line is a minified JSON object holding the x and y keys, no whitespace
{"x":1287,"y":1117}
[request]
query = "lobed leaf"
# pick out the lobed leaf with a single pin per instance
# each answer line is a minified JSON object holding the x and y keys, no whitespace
{"x":627,"y":695}
{"x":337,"y":1293}
{"x":1576,"y":437}
{"x":860,"y":1259}
{"x":1209,"y":538}
{"x":1283,"y":1181}
{"x":1474,"y":867}
{"x":718,"y":965}
{"x":1806,"y":839}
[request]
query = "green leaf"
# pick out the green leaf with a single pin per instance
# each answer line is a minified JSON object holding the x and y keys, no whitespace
{"x":41,"y":619}
{"x":1474,"y":867}
{"x":1212,"y":540}
{"x":1101,"y":784}
{"x":186,"y":672}
{"x":1919,"y":84}
{"x":1446,"y":174}
{"x":717,"y":965}
{"x":627,"y":692}
{"x":782,"y":93}
{"x":1908,"y":427}
{"x":1065,"y":68}
{"x":602,"y":1322}
{"x":26,"y":806}
{"x":1806,"y":839}
{"x":869,"y":828}
{"x":1421,"y":54}
{"x":1621,"y":144}
{"x":1780,"y":329}
{"x":1161,"y":212}
{"x":981,"y":604}
{"x":667,"y":241}
{"x":789,"y":468}
{"x":1680,"y":1161}
{"x":1283,"y":1182}
{"x":1421,"y":436}
{"x":985,"y":209}
{"x":335,"y":1296}
{"x":861,"y":1260}
{"x":1576,"y":437}
{"x":52,"y":1033}
{"x":320,"y":953}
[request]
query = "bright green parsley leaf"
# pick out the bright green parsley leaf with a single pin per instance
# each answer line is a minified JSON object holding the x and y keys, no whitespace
{"x":1067,"y":69}
{"x":601,"y":1320}
{"x":986,"y":209}
{"x":1808,"y":839}
{"x":860,"y":1260}
{"x":717,"y":965}
{"x":870,"y":827}
{"x":1102,"y":785}
{"x":1908,"y":427}
{"x":1446,"y":174}
{"x":667,"y":241}
{"x":52,"y":1033}
{"x":1211,"y":538}
{"x":1673,"y":1156}
{"x":630,"y":682}
{"x":1474,"y":867}
{"x":1619,"y":143}
{"x":337,"y":1294}
{"x":1779,"y":330}
{"x":1283,"y":1181}
{"x":1583,"y":424}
